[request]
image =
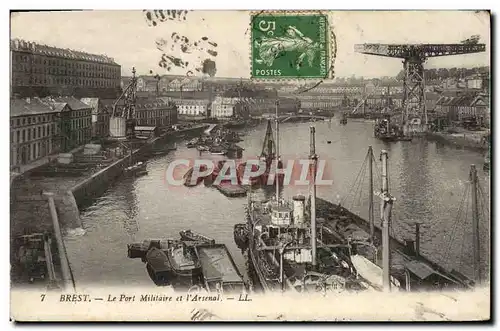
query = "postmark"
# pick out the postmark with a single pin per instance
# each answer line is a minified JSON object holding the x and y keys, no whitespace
{"x":290,"y":45}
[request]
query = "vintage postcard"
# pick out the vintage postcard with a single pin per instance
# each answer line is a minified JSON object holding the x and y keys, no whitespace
{"x":183,"y":165}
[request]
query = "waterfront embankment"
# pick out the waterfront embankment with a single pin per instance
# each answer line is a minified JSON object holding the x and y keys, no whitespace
{"x":474,"y":140}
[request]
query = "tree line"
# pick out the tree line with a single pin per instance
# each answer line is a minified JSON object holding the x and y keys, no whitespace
{"x":445,"y":73}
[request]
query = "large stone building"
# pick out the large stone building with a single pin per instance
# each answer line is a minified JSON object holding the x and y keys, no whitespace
{"x":32,"y":130}
{"x":155,"y":112}
{"x":41,"y":70}
{"x":41,"y":127}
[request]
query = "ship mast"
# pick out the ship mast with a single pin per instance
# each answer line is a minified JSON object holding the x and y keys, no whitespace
{"x":475,"y":226}
{"x":385,"y":211}
{"x":313,"y":158}
{"x":277,"y":156}
{"x":370,"y":208}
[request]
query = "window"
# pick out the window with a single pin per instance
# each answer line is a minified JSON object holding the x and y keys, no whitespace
{"x":18,"y":122}
{"x":29,"y":120}
{"x":11,"y":137}
{"x":29,"y":134}
{"x":39,"y":132}
{"x":18,"y":136}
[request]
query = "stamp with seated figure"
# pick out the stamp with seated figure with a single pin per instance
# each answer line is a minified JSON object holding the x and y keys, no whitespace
{"x":292,"y":45}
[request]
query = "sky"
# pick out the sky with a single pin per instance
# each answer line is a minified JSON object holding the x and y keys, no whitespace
{"x":132,"y":41}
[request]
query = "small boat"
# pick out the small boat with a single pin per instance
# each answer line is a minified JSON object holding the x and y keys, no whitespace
{"x":184,"y":263}
{"x":202,"y":148}
{"x":188,"y":177}
{"x":192,"y":143}
{"x":158,"y":267}
{"x":138,"y":169}
{"x":217,"y":150}
{"x":189,"y":235}
{"x":140,"y":249}
{"x":241,"y":235}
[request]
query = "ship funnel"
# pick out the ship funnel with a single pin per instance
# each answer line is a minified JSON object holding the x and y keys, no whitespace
{"x":298,"y":209}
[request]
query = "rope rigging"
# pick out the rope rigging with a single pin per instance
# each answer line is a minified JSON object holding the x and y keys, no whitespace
{"x":458,"y":219}
{"x":356,"y":183}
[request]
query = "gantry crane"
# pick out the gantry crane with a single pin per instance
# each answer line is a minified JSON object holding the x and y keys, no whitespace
{"x":414,"y":57}
{"x":123,"y":121}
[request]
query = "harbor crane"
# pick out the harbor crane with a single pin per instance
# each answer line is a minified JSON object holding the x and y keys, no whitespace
{"x":414,"y":57}
{"x":122,"y":120}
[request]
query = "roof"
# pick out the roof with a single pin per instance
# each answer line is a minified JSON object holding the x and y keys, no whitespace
{"x":481,"y":98}
{"x":35,"y":48}
{"x":73,"y":103}
{"x":423,"y":270}
{"x":31,"y":106}
{"x":92,"y":102}
{"x":191,"y":101}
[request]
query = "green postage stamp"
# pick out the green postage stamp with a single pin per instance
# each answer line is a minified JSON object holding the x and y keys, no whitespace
{"x":290,"y":45}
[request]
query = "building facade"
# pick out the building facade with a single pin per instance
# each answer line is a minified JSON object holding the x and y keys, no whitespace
{"x":40,"y":70}
{"x":191,"y":107}
{"x":41,"y":127}
{"x":185,"y":84}
{"x":100,"y":117}
{"x":75,"y":125}
{"x":223,"y":107}
{"x":155,"y":112}
{"x":32,"y":130}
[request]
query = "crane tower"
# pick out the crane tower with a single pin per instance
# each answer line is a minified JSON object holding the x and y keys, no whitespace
{"x":414,"y":56}
{"x":122,"y":120}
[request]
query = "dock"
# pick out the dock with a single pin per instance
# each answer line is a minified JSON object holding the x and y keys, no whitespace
{"x":231,"y":191}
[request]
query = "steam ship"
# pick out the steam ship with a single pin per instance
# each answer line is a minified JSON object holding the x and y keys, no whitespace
{"x":288,"y":248}
{"x":386,"y":130}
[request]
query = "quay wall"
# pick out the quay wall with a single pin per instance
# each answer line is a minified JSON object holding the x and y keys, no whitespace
{"x":99,"y":182}
{"x":464,"y":140}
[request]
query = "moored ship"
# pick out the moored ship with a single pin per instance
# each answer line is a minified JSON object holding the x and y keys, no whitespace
{"x":288,"y":249}
{"x":387,"y":131}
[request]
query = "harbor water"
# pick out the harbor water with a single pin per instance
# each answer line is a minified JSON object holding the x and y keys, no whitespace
{"x":428,"y":180}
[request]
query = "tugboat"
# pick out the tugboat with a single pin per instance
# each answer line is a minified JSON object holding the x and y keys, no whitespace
{"x":140,"y":249}
{"x":195,"y":260}
{"x":136,"y":170}
{"x":185,"y":265}
{"x":386,"y":131}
